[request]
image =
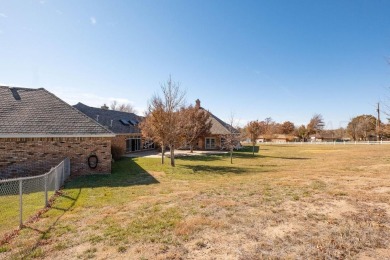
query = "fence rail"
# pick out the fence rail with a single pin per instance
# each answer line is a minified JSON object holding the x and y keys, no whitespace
{"x":23,"y":197}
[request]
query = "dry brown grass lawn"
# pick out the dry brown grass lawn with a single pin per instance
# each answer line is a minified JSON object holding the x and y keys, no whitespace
{"x":286,"y":202}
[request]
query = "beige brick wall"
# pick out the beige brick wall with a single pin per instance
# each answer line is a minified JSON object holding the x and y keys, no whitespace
{"x":32,"y":156}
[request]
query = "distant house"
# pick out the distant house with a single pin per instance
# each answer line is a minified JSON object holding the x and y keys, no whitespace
{"x":124,"y":125}
{"x":38,"y":130}
{"x":213,"y":141}
{"x":277,"y":138}
{"x":328,"y":136}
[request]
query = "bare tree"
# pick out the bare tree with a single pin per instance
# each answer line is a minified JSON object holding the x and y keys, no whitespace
{"x":316,"y":124}
{"x":253,"y":130}
{"x":195,"y":122}
{"x":162,"y":122}
{"x":339,"y":133}
{"x":122,"y":107}
{"x":368,"y":126}
{"x":232,"y":139}
{"x":268,"y":128}
{"x":154,"y":125}
{"x":385,"y":130}
{"x":353,"y":128}
{"x":114,"y":105}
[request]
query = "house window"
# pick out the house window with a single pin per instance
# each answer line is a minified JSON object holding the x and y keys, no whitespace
{"x":133,"y":144}
{"x":210,"y":143}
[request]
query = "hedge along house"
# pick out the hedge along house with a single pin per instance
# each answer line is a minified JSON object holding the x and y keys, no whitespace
{"x":124,"y":125}
{"x":219,"y":129}
{"x":38,"y":130}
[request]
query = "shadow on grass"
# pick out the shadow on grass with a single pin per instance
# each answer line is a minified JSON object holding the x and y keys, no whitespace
{"x":249,"y":149}
{"x":125,"y":172}
{"x":222,"y":170}
{"x":207,"y":169}
{"x":202,"y":158}
{"x":243,"y":155}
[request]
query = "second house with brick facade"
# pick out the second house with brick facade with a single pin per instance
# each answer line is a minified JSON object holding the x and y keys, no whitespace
{"x":128,"y":137}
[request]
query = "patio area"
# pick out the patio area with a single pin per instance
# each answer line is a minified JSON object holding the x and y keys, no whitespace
{"x":178,"y":153}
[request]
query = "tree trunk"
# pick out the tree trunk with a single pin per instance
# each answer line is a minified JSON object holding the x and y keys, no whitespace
{"x":162,"y":153}
{"x":231,"y":155}
{"x":172,"y":148}
{"x":253,"y":149}
{"x":191,"y":148}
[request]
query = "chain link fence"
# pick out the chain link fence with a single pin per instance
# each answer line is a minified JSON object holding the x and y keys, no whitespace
{"x":22,"y":198}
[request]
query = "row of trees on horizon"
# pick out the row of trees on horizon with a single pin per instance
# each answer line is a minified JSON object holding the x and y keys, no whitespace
{"x":361,"y":127}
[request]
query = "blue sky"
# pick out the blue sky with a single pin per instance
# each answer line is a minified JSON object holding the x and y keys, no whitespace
{"x":282,"y":59}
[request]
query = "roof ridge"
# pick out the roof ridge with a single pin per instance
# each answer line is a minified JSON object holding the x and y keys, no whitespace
{"x":78,"y":111}
{"x":20,"y":88}
{"x":110,"y":110}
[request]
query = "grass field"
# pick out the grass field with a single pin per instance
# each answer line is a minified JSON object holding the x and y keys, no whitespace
{"x":289,"y":202}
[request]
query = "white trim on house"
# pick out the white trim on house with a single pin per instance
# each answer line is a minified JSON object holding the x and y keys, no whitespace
{"x":52,"y":136}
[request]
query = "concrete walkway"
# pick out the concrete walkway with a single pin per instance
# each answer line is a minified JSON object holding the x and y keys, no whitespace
{"x":178,"y":153}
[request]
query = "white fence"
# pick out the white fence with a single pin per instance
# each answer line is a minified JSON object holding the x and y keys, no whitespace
{"x":22,"y":198}
{"x":328,"y":143}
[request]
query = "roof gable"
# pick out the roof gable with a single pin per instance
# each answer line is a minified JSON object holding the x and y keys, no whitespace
{"x":218,"y":126}
{"x":38,"y":113}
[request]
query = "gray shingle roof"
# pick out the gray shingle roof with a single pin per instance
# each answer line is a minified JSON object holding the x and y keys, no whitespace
{"x":218,"y":126}
{"x":104,"y":117}
{"x":38,"y":113}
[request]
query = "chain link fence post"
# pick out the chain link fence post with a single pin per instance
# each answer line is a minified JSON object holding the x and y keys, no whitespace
{"x":20,"y":203}
{"x":46,"y":196}
{"x":56,"y":186}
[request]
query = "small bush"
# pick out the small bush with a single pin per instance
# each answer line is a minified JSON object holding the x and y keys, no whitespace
{"x":116,"y":152}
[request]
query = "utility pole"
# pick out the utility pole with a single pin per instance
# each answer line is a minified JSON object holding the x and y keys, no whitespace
{"x":378,"y":123}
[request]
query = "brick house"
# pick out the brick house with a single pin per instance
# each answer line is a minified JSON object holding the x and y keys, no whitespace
{"x":38,"y":130}
{"x":218,"y":130}
{"x":124,"y":125}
